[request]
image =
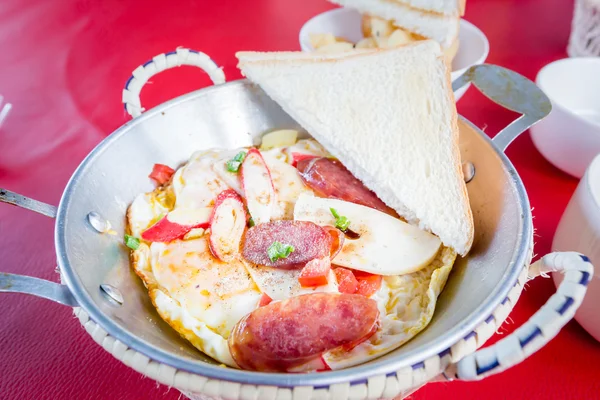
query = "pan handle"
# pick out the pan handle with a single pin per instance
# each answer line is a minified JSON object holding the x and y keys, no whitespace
{"x":11,"y":283}
{"x":159,"y":63}
{"x":512,"y":91}
{"x":541,"y":328}
{"x":6,"y":196}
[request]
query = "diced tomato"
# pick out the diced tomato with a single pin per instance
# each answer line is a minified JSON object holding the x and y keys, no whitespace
{"x":347,"y":283}
{"x":359,"y":282}
{"x":299,"y":157}
{"x":264,"y":300}
{"x":315,"y":272}
{"x":161,"y":173}
{"x":368,"y":284}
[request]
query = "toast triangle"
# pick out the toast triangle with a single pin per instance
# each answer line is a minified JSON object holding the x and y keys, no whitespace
{"x":389,"y":116}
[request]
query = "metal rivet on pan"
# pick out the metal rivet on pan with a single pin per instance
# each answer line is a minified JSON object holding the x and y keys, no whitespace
{"x":112,"y":293}
{"x":468,"y":171}
{"x":98,"y":223}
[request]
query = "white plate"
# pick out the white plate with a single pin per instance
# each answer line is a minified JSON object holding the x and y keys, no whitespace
{"x":346,"y":22}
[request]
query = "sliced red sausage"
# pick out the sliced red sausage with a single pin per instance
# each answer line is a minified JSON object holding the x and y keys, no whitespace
{"x":329,"y":178}
{"x":295,"y":331}
{"x":309,"y":241}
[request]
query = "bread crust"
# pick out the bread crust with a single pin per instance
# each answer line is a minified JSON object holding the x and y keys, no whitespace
{"x":468,"y":216}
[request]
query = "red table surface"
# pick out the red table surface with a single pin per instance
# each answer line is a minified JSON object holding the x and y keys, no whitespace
{"x":63,"y":65}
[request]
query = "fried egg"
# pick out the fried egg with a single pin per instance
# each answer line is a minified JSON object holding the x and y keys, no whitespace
{"x":203,"y":298}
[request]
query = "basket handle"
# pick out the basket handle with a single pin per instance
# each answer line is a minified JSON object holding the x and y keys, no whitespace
{"x":542,"y":327}
{"x":511,"y":91}
{"x":162,"y":62}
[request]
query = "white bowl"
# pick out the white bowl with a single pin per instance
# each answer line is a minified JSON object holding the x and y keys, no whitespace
{"x":346,"y":22}
{"x":570,"y":136}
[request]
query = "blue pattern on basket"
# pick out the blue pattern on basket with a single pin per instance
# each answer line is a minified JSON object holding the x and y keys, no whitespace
{"x":568,"y":303}
{"x":470,"y":335}
{"x":585,"y":278}
{"x":444,"y":353}
{"x":129,"y":81}
{"x":532,"y":335}
{"x":418,"y":365}
{"x":489,"y":367}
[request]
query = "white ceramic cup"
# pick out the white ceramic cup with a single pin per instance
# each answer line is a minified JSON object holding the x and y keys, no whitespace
{"x":473,"y":46}
{"x":579,"y":230}
{"x":570,"y":136}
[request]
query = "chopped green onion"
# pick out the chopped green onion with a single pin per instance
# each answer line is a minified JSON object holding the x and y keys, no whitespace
{"x":251,"y":222}
{"x":233,"y":165}
{"x":240,"y":156}
{"x":279,"y":250}
{"x":341,"y":221}
{"x":132,"y":242}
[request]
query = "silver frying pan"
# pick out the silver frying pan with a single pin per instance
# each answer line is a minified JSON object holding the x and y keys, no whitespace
{"x":114,"y":307}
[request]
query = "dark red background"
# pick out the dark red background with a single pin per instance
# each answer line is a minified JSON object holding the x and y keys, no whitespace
{"x":63,"y":65}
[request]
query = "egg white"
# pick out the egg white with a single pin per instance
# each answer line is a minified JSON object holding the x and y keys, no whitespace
{"x":196,"y":184}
